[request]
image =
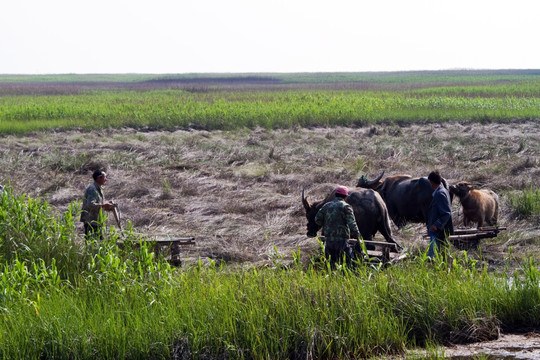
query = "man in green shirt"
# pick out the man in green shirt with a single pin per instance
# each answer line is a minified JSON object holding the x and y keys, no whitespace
{"x":339,"y":225}
{"x":93,"y":203}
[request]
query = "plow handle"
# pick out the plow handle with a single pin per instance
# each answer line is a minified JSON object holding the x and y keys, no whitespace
{"x":116,"y":213}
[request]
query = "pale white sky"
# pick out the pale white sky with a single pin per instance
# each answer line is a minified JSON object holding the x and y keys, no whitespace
{"x":184,"y":36}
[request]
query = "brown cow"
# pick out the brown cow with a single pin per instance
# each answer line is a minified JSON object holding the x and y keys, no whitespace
{"x":480,"y":206}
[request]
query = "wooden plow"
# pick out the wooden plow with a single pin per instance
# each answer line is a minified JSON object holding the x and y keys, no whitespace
{"x":377,"y":251}
{"x":170,"y":247}
{"x":464,"y":239}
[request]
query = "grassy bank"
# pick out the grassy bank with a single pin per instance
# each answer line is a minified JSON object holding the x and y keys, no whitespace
{"x":226,"y":111}
{"x":270,"y":101}
{"x":109,"y":303}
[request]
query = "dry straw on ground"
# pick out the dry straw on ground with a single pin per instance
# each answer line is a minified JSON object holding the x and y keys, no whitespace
{"x":239,"y":192}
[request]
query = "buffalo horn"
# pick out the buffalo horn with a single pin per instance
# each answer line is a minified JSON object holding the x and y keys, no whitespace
{"x":304,"y":200}
{"x":373,"y":182}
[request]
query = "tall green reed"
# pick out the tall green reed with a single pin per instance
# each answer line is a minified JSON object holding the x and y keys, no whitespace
{"x":30,"y":231}
{"x":269,"y":312}
{"x":526,"y":203}
{"x":226,"y":110}
{"x":124,"y":303}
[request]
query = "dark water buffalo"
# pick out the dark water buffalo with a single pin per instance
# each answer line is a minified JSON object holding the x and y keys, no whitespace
{"x":406,"y":198}
{"x":369,"y":211}
{"x":480,"y":206}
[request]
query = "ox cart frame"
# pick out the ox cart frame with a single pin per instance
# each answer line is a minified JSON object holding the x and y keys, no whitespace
{"x":377,"y":251}
{"x":169,"y":248}
{"x":464,"y":239}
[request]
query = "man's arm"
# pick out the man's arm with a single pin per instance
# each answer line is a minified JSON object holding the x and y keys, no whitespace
{"x":351,"y":222}
{"x":319,"y":218}
{"x":444,"y":211}
{"x":93,"y":201}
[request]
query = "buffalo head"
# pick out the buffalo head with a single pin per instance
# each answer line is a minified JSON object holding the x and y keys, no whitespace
{"x":311,"y":212}
{"x":363,"y":182}
{"x":461,"y":189}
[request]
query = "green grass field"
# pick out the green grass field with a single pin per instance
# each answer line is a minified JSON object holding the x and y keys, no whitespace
{"x":227,"y":102}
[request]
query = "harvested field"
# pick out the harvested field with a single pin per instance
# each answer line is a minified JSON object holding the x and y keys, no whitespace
{"x":238,"y":193}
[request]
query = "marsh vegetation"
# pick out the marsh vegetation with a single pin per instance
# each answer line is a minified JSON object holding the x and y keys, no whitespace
{"x":255,"y":286}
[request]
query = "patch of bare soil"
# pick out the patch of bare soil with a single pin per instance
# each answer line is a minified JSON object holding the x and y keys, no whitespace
{"x":511,"y":346}
{"x":239,"y":193}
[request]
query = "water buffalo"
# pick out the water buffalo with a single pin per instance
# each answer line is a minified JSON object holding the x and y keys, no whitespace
{"x":480,"y":206}
{"x":406,"y":198}
{"x":369,"y":211}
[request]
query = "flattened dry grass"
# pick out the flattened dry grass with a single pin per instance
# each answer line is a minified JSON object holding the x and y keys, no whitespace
{"x":244,"y":186}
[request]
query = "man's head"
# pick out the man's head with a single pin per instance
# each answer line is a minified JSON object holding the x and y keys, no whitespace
{"x":342,"y":192}
{"x":434,"y":178}
{"x":100,"y":177}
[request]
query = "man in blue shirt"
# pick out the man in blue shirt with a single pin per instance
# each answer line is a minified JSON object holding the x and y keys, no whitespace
{"x":439,"y":223}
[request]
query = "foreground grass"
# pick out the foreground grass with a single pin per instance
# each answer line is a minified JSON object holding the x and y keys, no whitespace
{"x":111,"y":303}
{"x":256,"y":314}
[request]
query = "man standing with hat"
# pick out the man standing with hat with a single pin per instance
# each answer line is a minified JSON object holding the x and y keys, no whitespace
{"x":93,"y":203}
{"x":339,"y":225}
